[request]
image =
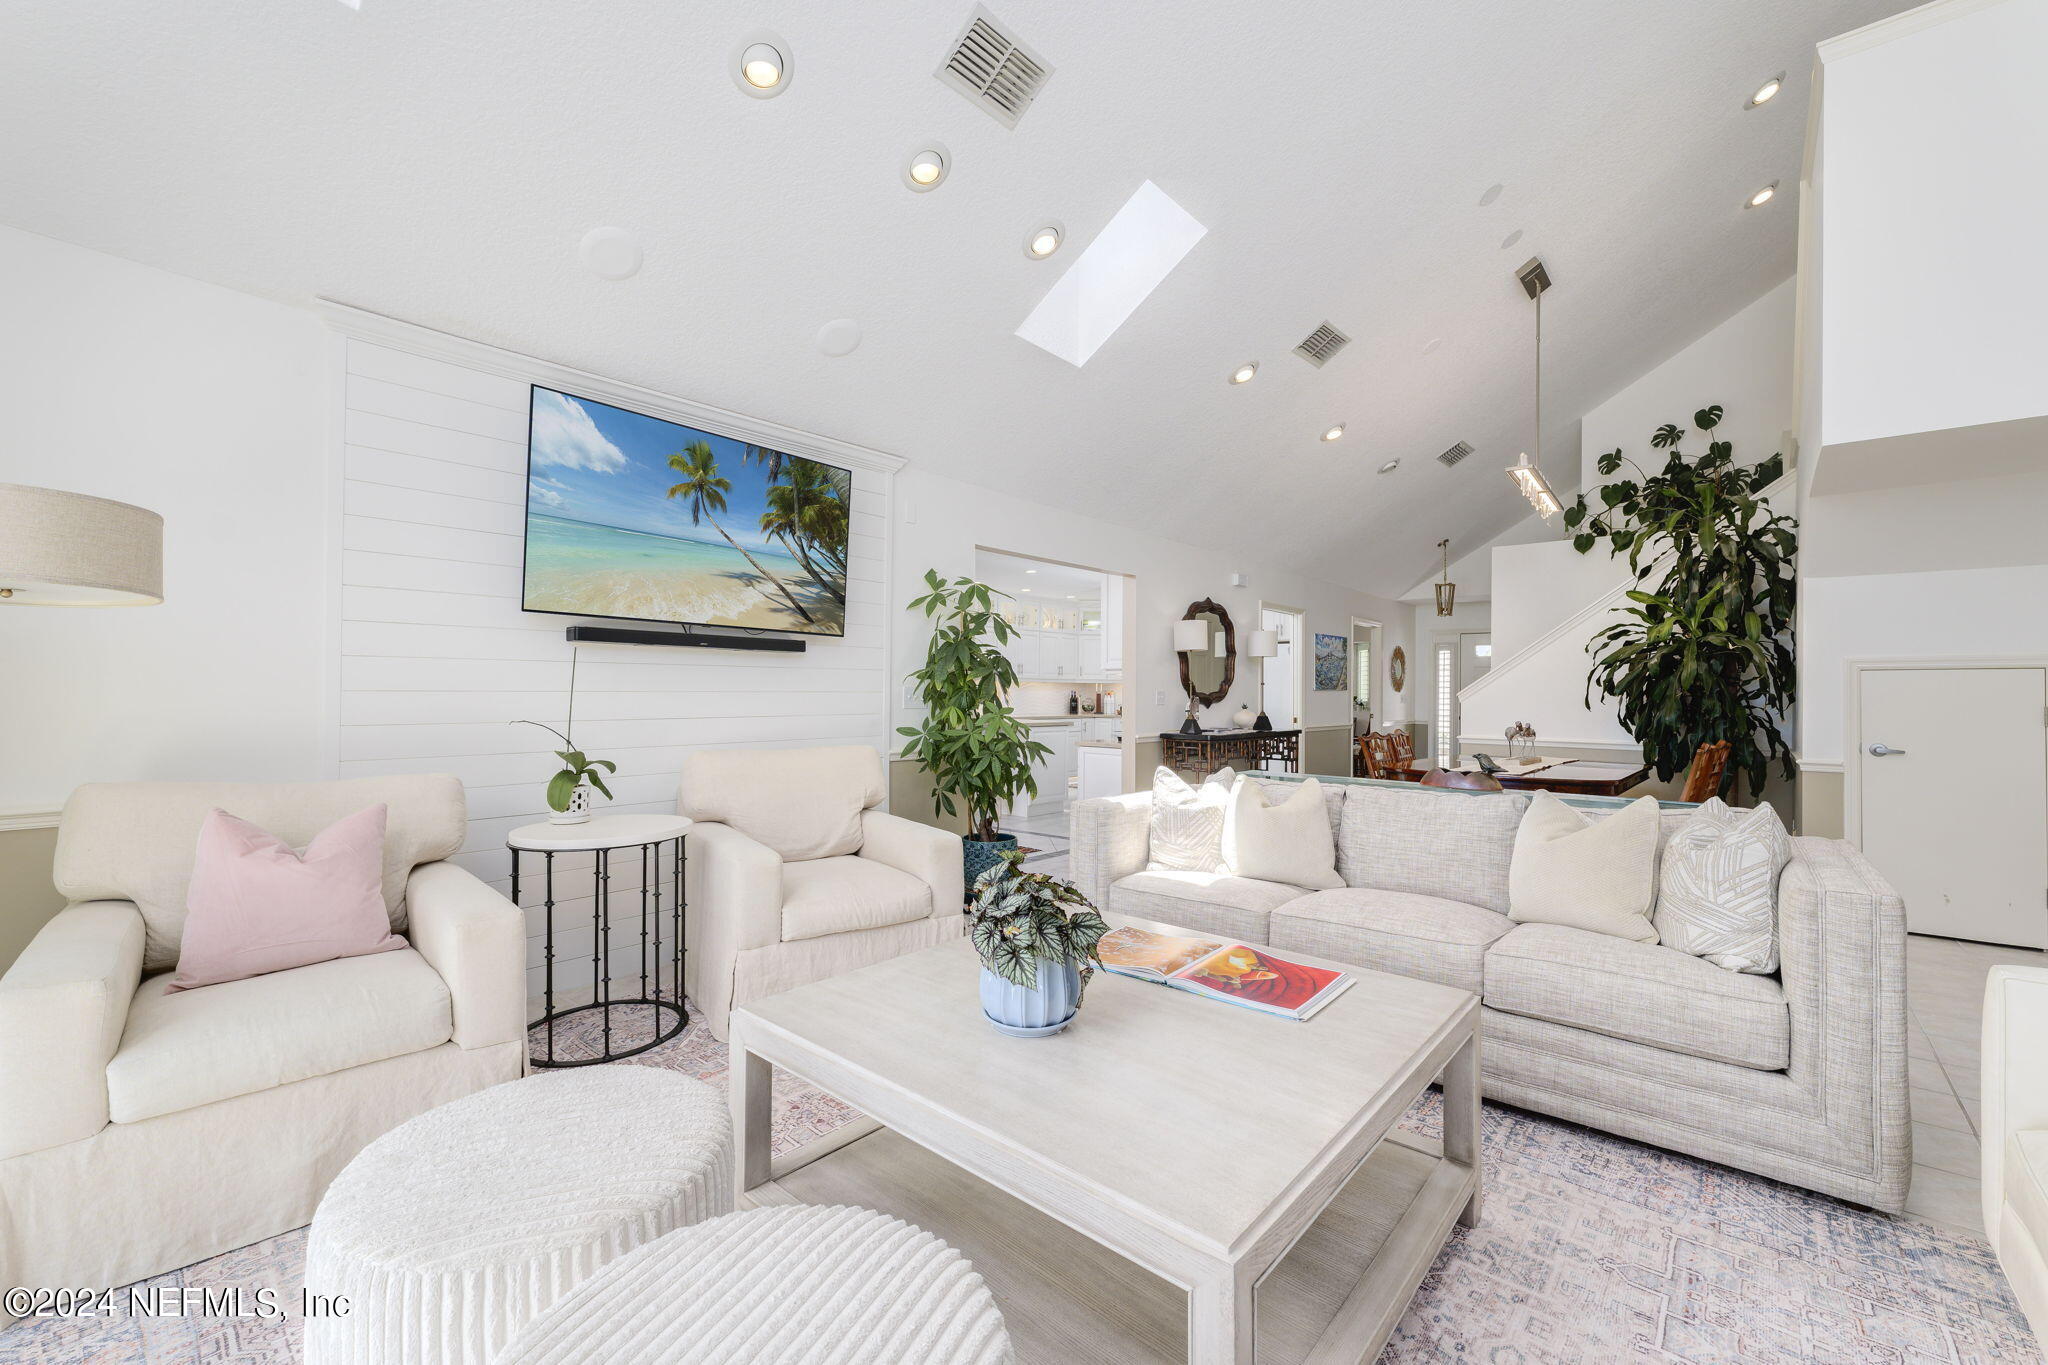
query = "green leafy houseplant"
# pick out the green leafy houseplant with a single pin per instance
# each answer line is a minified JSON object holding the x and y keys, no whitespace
{"x":1019,"y":917}
{"x":977,"y":751}
{"x":1706,"y":651}
{"x":577,"y":767}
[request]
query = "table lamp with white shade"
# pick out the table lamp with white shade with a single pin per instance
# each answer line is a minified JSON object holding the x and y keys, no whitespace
{"x":1264,"y":645}
{"x":1189,"y":636}
{"x":60,"y":549}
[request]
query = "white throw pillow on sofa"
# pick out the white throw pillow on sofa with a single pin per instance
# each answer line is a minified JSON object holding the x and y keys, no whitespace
{"x":1187,"y":822}
{"x":1718,"y":898}
{"x":1290,"y":842}
{"x":1599,"y":875}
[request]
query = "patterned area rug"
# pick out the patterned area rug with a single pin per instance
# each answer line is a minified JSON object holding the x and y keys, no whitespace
{"x":1592,"y":1249}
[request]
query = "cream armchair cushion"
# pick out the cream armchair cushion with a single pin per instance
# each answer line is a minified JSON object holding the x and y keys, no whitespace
{"x":136,"y":841}
{"x":188,"y":1048}
{"x":837,"y":895}
{"x":803,"y":803}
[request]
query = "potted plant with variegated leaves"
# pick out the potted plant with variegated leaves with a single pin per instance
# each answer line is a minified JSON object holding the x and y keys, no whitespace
{"x":1036,"y":936}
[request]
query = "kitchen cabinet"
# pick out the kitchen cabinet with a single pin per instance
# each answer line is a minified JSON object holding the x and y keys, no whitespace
{"x":1101,"y":772}
{"x":1043,"y":655}
{"x":1113,"y":589}
{"x":1091,"y":654}
{"x":1052,"y":770}
{"x":1024,"y":652}
{"x":1059,"y":653}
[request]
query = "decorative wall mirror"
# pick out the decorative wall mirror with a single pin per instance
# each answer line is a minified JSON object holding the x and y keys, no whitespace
{"x":1397,"y":667}
{"x":1206,"y":674}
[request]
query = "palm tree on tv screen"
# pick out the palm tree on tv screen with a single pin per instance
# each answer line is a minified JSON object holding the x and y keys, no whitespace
{"x":706,"y":492}
{"x":807,"y":513}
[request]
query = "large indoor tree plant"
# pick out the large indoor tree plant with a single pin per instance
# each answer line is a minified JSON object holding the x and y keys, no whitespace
{"x":977,"y":751}
{"x":1705,"y":653}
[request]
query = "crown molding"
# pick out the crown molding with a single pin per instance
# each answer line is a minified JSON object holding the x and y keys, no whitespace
{"x":384,"y":330}
{"x":1898,"y":26}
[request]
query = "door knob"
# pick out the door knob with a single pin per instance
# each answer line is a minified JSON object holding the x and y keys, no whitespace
{"x":1884,"y":751}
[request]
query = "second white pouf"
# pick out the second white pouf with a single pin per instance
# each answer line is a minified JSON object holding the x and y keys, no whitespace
{"x":455,"y":1229}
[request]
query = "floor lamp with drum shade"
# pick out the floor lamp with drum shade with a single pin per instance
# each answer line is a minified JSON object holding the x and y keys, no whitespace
{"x":60,"y":549}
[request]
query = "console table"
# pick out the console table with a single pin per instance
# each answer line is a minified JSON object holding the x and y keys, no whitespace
{"x":1243,"y":750}
{"x":602,"y":837}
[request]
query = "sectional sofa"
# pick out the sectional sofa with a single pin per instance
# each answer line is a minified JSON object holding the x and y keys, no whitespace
{"x":1800,"y":1076}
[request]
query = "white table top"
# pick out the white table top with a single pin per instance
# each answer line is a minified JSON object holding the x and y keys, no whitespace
{"x":1200,"y":1113}
{"x":599,"y":831}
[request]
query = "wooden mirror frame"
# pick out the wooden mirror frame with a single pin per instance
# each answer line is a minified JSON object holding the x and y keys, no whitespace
{"x":1187,"y":684}
{"x":1397,"y":667}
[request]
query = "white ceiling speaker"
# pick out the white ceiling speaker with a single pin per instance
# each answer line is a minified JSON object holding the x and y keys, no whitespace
{"x":610,"y":253}
{"x":1763,"y":196}
{"x":1334,"y":432}
{"x":1243,"y":374}
{"x":839,"y":337}
{"x":926,"y":168}
{"x":762,"y":66}
{"x":1766,"y":92}
{"x":1043,"y":240}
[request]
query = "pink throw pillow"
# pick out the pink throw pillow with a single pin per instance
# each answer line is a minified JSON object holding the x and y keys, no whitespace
{"x":256,"y":906}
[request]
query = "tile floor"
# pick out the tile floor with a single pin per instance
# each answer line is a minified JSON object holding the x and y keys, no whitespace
{"x":1046,"y":831}
{"x":1945,"y":1002}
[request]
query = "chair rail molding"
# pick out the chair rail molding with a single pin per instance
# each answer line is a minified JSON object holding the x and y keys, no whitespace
{"x":28,"y":818}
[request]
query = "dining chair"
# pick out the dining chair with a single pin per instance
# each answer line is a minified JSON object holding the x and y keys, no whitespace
{"x":1404,"y":746}
{"x":1703,"y":778}
{"x":1471,"y":782}
{"x":1379,"y":756}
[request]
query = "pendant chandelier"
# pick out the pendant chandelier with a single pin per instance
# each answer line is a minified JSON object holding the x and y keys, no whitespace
{"x":1446,"y":591}
{"x":1526,"y":472}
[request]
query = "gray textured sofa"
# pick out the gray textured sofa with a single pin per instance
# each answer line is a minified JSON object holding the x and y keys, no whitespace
{"x":1799,"y":1076}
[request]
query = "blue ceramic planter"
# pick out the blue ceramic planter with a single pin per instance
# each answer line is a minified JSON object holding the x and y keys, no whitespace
{"x":978,"y":857}
{"x":1046,"y":1008}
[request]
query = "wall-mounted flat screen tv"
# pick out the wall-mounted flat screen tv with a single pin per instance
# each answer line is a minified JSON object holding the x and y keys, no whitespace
{"x":640,"y":519}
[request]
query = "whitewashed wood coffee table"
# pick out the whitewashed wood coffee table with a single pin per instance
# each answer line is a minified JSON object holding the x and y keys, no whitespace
{"x":1169,"y":1178}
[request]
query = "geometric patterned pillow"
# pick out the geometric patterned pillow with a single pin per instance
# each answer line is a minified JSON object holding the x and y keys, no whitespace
{"x":1187,"y":822}
{"x":1718,"y":898}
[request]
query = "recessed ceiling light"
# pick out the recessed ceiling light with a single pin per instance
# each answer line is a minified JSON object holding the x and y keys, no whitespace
{"x":1767,"y":92}
{"x":1390,"y":466}
{"x":1763,"y":196}
{"x":1071,"y":597}
{"x":761,"y":66}
{"x":1031,"y":571}
{"x":926,"y":169}
{"x":1041,"y":242}
{"x":1429,"y":347}
{"x":1510,"y":239}
{"x":1243,"y":373}
{"x":1492,"y":193}
{"x":1023,"y":590}
{"x":1334,"y":432}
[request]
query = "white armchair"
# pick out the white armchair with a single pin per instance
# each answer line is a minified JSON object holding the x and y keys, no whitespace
{"x":141,"y":1131}
{"x":794,"y":876}
{"x":2015,"y":1132}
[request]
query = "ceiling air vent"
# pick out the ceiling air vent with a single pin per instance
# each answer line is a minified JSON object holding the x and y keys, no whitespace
{"x":1454,"y":454}
{"x":1324,"y":342}
{"x":997,"y":73}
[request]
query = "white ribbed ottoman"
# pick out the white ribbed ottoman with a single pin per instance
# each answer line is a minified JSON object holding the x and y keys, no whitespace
{"x":795,"y":1285}
{"x":451,"y":1231}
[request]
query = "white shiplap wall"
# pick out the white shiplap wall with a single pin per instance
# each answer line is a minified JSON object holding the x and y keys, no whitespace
{"x":437,"y":657}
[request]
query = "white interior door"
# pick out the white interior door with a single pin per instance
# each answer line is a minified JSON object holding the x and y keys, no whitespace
{"x":1280,"y":692}
{"x":1953,"y":795}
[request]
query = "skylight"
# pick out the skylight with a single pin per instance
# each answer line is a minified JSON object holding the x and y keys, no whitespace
{"x":1118,"y":271}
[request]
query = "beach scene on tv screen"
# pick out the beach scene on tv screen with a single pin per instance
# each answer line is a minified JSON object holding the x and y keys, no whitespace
{"x":636,"y":517}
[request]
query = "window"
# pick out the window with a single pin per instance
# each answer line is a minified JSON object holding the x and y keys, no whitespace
{"x":1446,"y":703}
{"x":1361,"y":673}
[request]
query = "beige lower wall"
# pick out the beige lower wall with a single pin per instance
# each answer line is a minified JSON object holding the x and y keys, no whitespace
{"x":27,"y":898}
{"x":910,"y":796}
{"x":1820,"y":804}
{"x":1326,"y":749}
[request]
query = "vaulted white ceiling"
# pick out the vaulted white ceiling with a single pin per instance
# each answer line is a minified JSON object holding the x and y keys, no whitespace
{"x":439,"y":160}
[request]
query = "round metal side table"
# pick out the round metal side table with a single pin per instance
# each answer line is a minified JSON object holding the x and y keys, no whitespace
{"x":656,"y":842}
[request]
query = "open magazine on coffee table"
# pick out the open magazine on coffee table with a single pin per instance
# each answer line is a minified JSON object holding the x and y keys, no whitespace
{"x":1242,"y":975}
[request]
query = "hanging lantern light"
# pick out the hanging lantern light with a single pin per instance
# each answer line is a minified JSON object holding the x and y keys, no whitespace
{"x":1446,"y":591}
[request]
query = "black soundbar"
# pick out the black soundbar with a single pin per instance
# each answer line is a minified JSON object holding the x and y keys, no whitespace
{"x":615,"y":635}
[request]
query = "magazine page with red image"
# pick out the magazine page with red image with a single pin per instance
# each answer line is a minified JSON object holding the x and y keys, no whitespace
{"x":1262,"y":980}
